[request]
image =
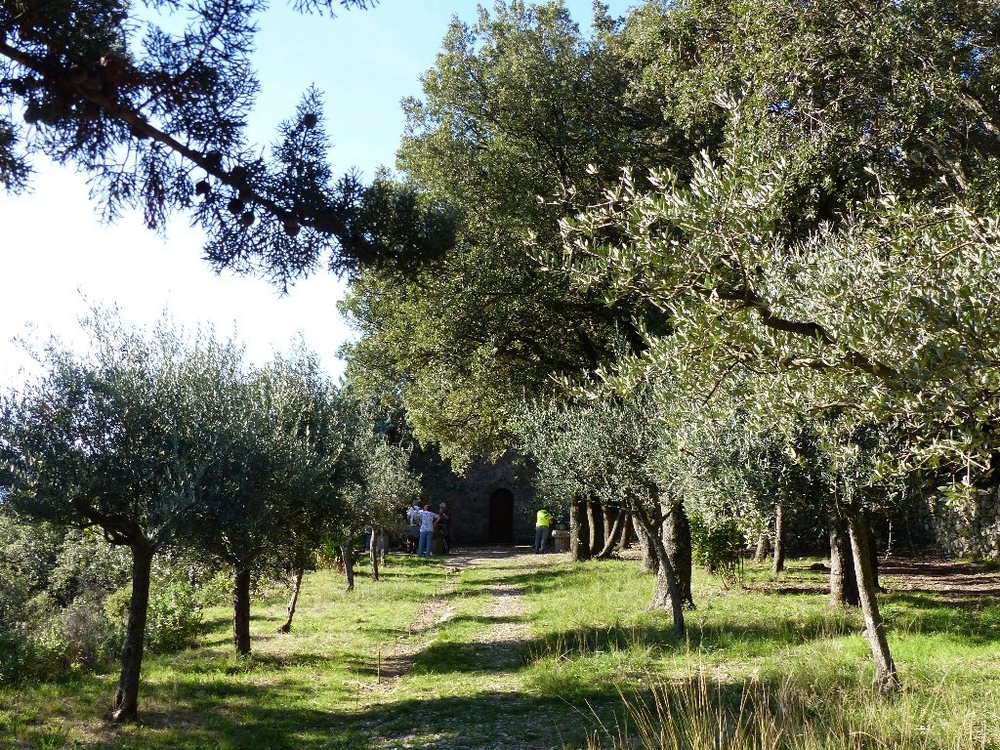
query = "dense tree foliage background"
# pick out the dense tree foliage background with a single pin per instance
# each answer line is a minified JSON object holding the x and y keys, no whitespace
{"x":780,"y":210}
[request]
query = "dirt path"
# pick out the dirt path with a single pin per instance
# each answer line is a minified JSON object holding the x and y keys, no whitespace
{"x":506,"y":610}
{"x":955,"y":580}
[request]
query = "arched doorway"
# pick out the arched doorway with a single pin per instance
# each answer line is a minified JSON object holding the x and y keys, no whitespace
{"x":501,"y":530}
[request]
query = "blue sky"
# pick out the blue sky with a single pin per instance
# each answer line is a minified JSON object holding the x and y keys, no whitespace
{"x":58,"y":259}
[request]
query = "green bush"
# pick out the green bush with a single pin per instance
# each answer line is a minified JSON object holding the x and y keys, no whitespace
{"x":15,"y":658}
{"x":718,"y":545}
{"x":79,"y":636}
{"x":173,"y":619}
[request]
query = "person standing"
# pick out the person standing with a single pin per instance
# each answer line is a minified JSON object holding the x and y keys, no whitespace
{"x":543,"y":525}
{"x":412,"y":527}
{"x":427,"y":521}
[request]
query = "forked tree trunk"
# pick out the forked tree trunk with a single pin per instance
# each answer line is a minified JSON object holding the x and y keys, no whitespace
{"x":779,"y":539}
{"x":594,"y":523}
{"x":297,"y":574}
{"x":126,"y":702}
{"x":612,"y":538}
{"x":579,"y":532}
{"x":843,"y":578}
{"x":677,"y":542}
{"x":665,"y":596}
{"x":886,"y":677}
{"x":609,"y":527}
{"x":241,"y":612}
{"x":347,"y":554}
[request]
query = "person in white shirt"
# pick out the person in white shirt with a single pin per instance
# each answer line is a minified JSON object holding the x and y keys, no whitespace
{"x":427,"y":521}
{"x":413,"y":527}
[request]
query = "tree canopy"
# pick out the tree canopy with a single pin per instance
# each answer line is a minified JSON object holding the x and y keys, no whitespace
{"x":150,"y":101}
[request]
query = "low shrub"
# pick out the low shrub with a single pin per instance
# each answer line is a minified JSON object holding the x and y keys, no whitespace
{"x":718,"y":546}
{"x":173,"y":619}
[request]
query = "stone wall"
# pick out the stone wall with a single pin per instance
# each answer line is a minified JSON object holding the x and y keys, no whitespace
{"x":969,"y":527}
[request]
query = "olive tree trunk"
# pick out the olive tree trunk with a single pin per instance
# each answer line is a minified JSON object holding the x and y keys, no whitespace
{"x":579,"y":531}
{"x":677,"y":542}
{"x":615,"y":531}
{"x":126,"y":702}
{"x":347,"y":554}
{"x":241,"y":612}
{"x":594,"y":540}
{"x":843,"y":577}
{"x":649,"y":562}
{"x":780,"y":531}
{"x":373,"y":551}
{"x":625,"y":539}
{"x":666,"y":595}
{"x":297,"y":574}
{"x":886,"y":677}
{"x":763,"y":547}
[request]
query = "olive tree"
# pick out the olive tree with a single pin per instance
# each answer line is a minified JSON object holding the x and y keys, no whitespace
{"x":604,"y":449}
{"x":272,"y":492}
{"x":374,"y":481}
{"x":122,"y":439}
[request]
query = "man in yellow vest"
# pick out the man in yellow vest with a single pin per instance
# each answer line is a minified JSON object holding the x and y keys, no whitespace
{"x":543,"y":524}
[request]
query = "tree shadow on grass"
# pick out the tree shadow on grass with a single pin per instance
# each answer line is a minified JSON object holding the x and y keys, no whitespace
{"x":248,"y":716}
{"x":975,"y":619}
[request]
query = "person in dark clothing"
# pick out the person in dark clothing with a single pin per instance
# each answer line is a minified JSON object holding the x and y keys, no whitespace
{"x":444,"y":525}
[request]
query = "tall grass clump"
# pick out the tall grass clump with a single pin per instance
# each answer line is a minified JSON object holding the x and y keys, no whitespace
{"x":702,"y":714}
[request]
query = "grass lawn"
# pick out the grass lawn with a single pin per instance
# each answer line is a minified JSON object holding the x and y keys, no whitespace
{"x":520,"y":651}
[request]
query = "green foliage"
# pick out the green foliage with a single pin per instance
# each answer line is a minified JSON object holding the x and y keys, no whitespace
{"x":52,"y":583}
{"x":78,"y":637}
{"x":375,"y":482}
{"x":173,"y":620}
{"x":519,"y":107}
{"x":719,"y":546}
{"x":830,"y":242}
{"x":151,"y":101}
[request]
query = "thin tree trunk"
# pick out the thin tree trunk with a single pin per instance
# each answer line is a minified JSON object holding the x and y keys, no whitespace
{"x":611,"y":539}
{"x":594,"y":524}
{"x":579,"y":532}
{"x":886,"y":677}
{"x":843,"y":577}
{"x":290,"y":609}
{"x":873,"y":556}
{"x":241,"y":612}
{"x":665,"y":595}
{"x":373,"y":552}
{"x":677,"y":542}
{"x":126,"y":702}
{"x":609,"y":525}
{"x":348,"y":556}
{"x":779,"y":539}
{"x":625,"y":540}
